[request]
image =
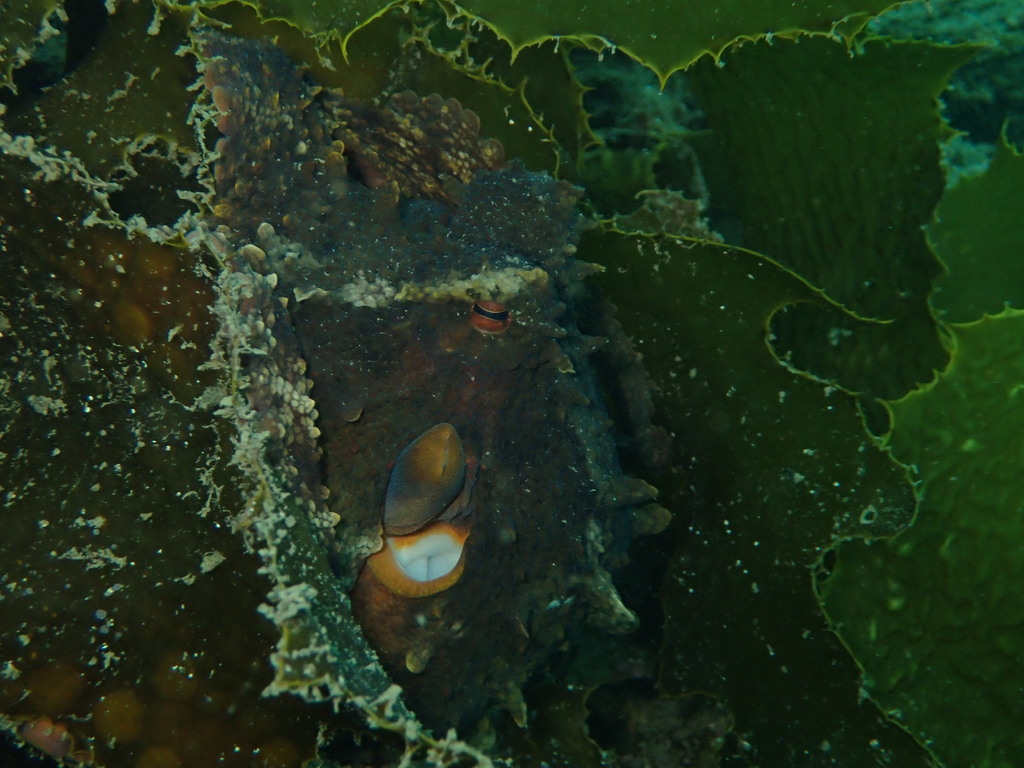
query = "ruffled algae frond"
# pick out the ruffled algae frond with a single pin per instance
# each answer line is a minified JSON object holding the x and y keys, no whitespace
{"x":252,"y":251}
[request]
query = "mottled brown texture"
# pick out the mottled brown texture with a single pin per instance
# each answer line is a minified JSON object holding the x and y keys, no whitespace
{"x":379,"y":236}
{"x":425,"y":146}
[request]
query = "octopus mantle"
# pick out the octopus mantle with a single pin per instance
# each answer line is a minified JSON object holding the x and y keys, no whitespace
{"x":358,"y":239}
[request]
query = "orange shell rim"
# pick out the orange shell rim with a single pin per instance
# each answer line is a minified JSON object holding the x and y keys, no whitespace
{"x":386,"y":570}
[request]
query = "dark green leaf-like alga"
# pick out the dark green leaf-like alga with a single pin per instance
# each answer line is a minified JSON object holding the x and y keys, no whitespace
{"x":935,"y":616}
{"x":667,"y":36}
{"x":978,"y":233}
{"x":24,"y":25}
{"x":132,"y":88}
{"x":772,"y":468}
{"x":128,"y":606}
{"x":832,"y":167}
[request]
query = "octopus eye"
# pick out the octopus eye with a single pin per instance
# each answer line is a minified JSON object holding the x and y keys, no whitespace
{"x":490,"y":317}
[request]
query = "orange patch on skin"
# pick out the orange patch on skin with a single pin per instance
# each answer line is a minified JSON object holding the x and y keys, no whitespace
{"x":436,"y":542}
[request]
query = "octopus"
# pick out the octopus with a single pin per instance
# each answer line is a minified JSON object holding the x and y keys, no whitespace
{"x":439,"y":409}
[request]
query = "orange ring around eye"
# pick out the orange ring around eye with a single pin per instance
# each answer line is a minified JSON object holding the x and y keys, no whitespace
{"x":490,"y":317}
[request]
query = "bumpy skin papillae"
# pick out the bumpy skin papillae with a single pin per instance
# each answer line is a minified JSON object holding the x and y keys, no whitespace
{"x":375,"y":272}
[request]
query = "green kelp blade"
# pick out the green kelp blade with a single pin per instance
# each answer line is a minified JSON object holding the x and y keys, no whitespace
{"x":668,"y":35}
{"x":128,"y":606}
{"x":978,"y":233}
{"x":362,"y":70}
{"x":320,"y":17}
{"x":772,"y":467}
{"x":129,"y":94}
{"x":23,"y":26}
{"x":829,"y":163}
{"x":321,"y":646}
{"x":326,"y":20}
{"x":935,"y":616}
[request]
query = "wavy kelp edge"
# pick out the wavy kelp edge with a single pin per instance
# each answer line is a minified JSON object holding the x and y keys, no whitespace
{"x":159,"y":525}
{"x":776,"y":467}
{"x":662,"y":36}
{"x":933,"y":616}
{"x":668,"y":37}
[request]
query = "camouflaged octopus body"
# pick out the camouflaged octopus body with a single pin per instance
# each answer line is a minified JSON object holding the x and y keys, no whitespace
{"x":381,"y":227}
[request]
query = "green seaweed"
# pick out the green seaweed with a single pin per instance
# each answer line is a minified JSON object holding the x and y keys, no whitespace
{"x":143,"y":103}
{"x":978,"y":234}
{"x":934,"y":616}
{"x":777,"y":467}
{"x":668,"y":36}
{"x":664,"y":36}
{"x":115,"y":498}
{"x":324,"y":22}
{"x":531,"y":102}
{"x":23,"y":26}
{"x":832,"y":166}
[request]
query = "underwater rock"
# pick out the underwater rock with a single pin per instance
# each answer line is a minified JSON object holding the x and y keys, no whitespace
{"x":360,"y":240}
